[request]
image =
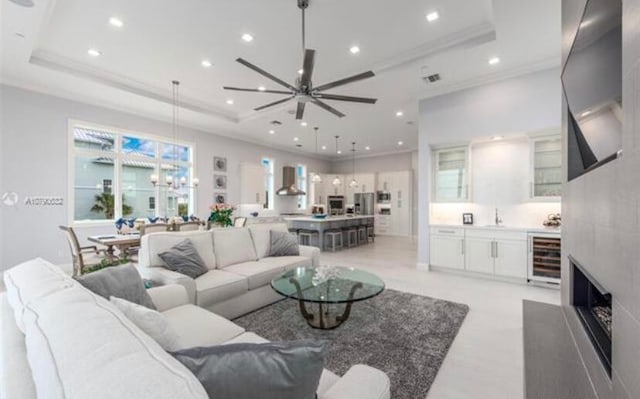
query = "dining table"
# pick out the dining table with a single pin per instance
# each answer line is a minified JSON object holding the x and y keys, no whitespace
{"x":121,"y":242}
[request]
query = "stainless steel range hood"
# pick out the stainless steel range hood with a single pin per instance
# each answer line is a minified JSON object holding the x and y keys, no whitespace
{"x":289,"y":186}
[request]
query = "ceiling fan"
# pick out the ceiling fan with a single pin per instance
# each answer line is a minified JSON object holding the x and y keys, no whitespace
{"x":303,"y":90}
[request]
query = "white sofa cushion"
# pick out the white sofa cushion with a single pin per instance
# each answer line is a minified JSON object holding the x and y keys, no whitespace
{"x":287,"y":262}
{"x":199,"y":327}
{"x":261,"y":235}
{"x":31,"y":280}
{"x":150,"y":322}
{"x":219,"y":285}
{"x":257,"y":274}
{"x":233,"y":246}
{"x":80,"y":346}
{"x":153,"y":244}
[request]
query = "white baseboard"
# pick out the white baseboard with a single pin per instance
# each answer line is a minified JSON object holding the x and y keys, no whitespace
{"x":422,"y":266}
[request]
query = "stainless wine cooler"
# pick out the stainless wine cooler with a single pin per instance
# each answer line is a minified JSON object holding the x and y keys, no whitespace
{"x":544,"y":258}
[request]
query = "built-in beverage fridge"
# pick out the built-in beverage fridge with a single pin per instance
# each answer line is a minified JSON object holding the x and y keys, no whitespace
{"x":544,"y":258}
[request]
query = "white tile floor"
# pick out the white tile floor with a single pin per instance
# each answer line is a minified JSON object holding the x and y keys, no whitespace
{"x":485,"y":360}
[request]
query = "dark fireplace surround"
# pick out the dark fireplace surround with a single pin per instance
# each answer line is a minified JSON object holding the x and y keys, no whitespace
{"x":592,"y":303}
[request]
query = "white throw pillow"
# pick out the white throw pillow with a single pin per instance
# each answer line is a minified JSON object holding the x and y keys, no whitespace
{"x":152,"y":322}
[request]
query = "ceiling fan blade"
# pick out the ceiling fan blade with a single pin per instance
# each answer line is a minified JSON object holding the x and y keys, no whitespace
{"x":256,"y":90}
{"x":342,"y":82}
{"x":300,"y":110}
{"x":337,"y":97}
{"x":327,"y":107}
{"x":266,"y":74}
{"x":307,"y":67}
{"x":284,"y":100}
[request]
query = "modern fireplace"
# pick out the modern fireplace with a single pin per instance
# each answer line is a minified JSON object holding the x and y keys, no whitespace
{"x":593,"y":305}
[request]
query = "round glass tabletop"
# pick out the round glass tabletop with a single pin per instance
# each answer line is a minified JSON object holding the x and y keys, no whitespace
{"x":328,"y":284}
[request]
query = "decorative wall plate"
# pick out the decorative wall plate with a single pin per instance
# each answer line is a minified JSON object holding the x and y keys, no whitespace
{"x":220,"y":198}
{"x":219,"y":164}
{"x":220,"y":182}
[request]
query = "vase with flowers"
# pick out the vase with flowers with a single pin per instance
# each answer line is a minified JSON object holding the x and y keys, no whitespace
{"x":221,"y":215}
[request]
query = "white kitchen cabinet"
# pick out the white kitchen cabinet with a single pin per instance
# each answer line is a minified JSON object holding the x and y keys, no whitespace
{"x":479,"y":255}
{"x":381,"y":224}
{"x":451,"y":174}
{"x":332,"y":189}
{"x":252,"y":184}
{"x":318,"y":191}
{"x":546,"y":168}
{"x":510,"y":258}
{"x":447,"y":248}
{"x":366,"y":182}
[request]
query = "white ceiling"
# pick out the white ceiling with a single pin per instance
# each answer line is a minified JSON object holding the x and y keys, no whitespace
{"x":163,"y":40}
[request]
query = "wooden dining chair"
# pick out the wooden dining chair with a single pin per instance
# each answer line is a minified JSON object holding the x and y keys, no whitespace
{"x":188,"y":226}
{"x":148,"y":228}
{"x":239,"y":222}
{"x":82,"y":256}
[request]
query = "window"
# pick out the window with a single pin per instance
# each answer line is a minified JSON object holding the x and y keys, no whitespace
{"x":451,"y":175}
{"x":301,"y":172}
{"x":268,"y":182}
{"x":112,"y":171}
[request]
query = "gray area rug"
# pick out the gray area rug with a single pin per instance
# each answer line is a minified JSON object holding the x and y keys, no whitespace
{"x":407,"y":336}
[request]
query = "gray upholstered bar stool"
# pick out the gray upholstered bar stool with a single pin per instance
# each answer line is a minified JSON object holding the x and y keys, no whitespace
{"x":362,"y":235}
{"x":352,"y":236}
{"x":334,"y":240}
{"x":308,"y":237}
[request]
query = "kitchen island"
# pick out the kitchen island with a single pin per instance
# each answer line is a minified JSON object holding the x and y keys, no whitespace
{"x":329,"y":223}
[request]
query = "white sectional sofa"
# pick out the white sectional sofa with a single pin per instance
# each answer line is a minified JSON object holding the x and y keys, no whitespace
{"x":59,"y":340}
{"x":240,"y":268}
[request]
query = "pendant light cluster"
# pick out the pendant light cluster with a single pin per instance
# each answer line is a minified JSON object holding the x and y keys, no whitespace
{"x":336,"y":180}
{"x":169,"y":179}
{"x":353,"y":183}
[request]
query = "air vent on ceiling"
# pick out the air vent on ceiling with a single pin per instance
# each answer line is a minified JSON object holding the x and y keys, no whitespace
{"x":431,"y":78}
{"x":275,"y":123}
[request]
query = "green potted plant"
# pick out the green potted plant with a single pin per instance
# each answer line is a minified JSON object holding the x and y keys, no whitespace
{"x":221,"y":215}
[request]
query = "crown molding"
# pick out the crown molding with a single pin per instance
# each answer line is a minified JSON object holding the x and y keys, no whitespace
{"x":545,"y":64}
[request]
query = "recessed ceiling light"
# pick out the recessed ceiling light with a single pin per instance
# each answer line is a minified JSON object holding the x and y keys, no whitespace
{"x":494,"y":60}
{"x":303,"y":124}
{"x":115,"y":21}
{"x":262,"y":88}
{"x":433,"y":16}
{"x":94,"y":53}
{"x":496,"y":138}
{"x":295,"y":139}
{"x":272,"y":132}
{"x":400,"y":143}
{"x":399,"y":114}
{"x":354,"y":50}
{"x":230,"y":101}
{"x":324,"y":147}
{"x":206,"y":63}
{"x":367,"y":148}
{"x":247,"y":37}
{"x":300,"y":71}
{"x":339,"y":152}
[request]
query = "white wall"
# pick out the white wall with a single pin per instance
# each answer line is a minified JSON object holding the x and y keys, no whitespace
{"x":374,"y":164}
{"x":523,"y":104}
{"x":34,"y":159}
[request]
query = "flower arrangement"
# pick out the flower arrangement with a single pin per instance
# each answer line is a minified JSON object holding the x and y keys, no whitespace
{"x":221,"y":214}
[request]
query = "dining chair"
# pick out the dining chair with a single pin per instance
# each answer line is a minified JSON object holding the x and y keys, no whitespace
{"x":148,"y":228}
{"x":82,"y":256}
{"x":188,"y":226}
{"x":239,"y":222}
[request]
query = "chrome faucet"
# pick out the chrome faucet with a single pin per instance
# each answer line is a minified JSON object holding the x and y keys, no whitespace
{"x":498,"y":220}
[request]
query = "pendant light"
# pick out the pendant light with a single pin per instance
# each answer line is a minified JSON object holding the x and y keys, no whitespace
{"x":316,"y":178}
{"x":336,"y":180}
{"x":353,"y":183}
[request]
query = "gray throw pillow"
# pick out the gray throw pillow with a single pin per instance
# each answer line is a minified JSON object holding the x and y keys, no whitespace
{"x":120,"y":281}
{"x":184,"y":258}
{"x":283,"y":243}
{"x":274,"y":370}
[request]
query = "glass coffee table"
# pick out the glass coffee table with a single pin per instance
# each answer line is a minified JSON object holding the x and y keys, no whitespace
{"x":334,"y":289}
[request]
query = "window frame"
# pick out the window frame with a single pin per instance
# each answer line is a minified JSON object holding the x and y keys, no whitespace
{"x":119,"y":156}
{"x":270,"y":182}
{"x":303,"y":185}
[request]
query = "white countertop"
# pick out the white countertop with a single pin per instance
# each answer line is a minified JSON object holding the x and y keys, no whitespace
{"x":327,"y":219}
{"x":538,"y":229}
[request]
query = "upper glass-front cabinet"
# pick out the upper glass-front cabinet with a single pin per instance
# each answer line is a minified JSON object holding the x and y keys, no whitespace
{"x":546,"y":168}
{"x":451,"y":174}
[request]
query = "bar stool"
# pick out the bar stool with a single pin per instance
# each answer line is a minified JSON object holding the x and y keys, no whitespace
{"x":362,"y":235}
{"x":334,"y":240}
{"x":352,"y":236}
{"x":371,"y":234}
{"x":306,"y":237}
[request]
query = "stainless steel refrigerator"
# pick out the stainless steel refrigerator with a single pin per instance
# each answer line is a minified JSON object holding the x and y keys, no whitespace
{"x":363,"y":203}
